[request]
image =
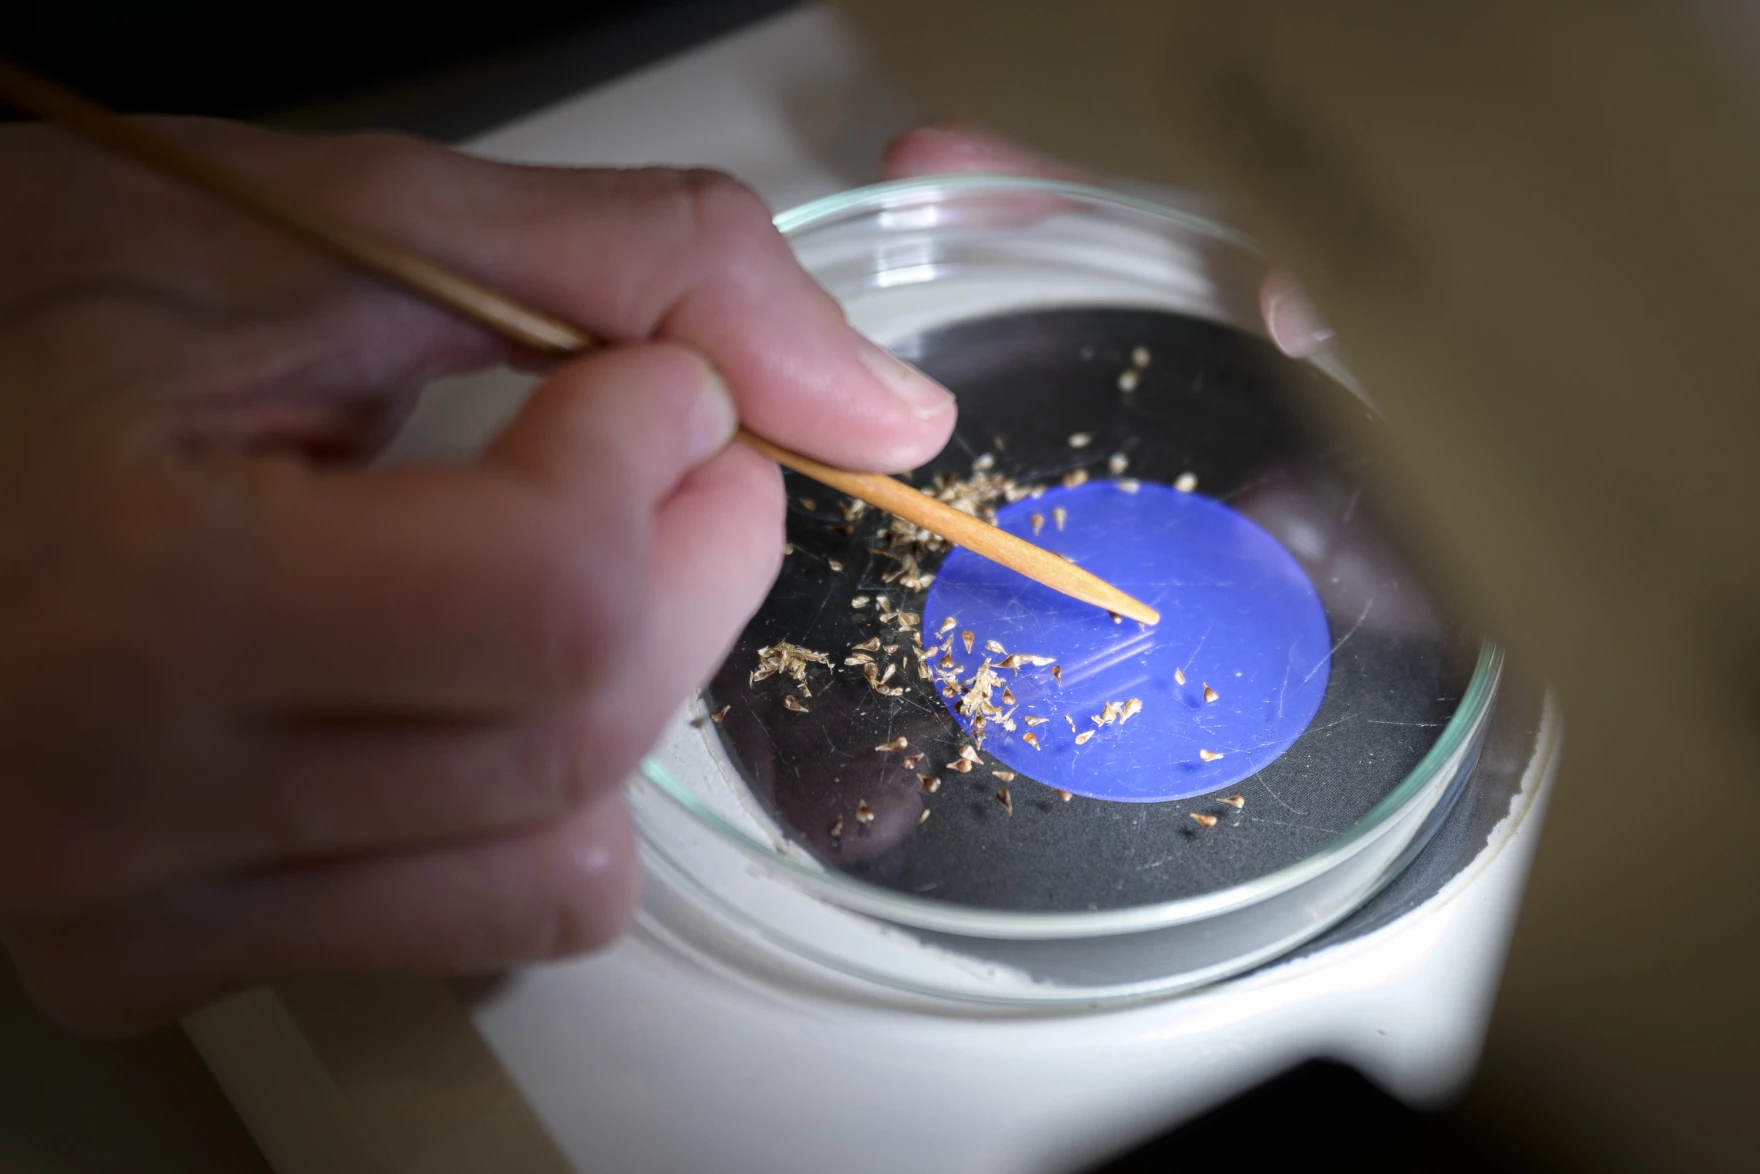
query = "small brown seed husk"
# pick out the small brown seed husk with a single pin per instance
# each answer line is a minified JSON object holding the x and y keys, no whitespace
{"x":1179,"y":678}
{"x":1057,"y":672}
{"x":898,"y":743}
{"x":1186,"y":482}
{"x":858,"y":658}
{"x":794,"y":703}
{"x":808,"y":503}
{"x":1117,"y":463}
{"x":1074,"y":478}
{"x":1140,"y":356}
{"x":1084,"y":736}
{"x":910,"y":761}
{"x":960,"y":766}
{"x":930,"y":783}
{"x":871,"y":644}
{"x":864,"y":813}
{"x":1036,"y":720}
{"x":1059,"y":516}
{"x":1038,"y":524}
{"x":1063,"y":794}
{"x":1235,"y":801}
{"x":1080,"y":439}
{"x":1209,"y":693}
{"x":1127,"y":381}
{"x":1129,"y":710}
{"x":923,"y":818}
{"x":1130,"y":484}
{"x":859,"y":602}
{"x":1207,"y":821}
{"x":1031,"y":739}
{"x":720,"y":715}
{"x":984,"y":463}
{"x":1209,"y":755}
{"x":967,"y":639}
{"x":1008,"y":696}
{"x":890,"y":649}
{"x":1071,"y":721}
{"x":993,"y":646}
{"x":947,"y":625}
{"x":836,"y":828}
{"x":1006,"y":776}
{"x":787,"y":549}
{"x":1116,"y":618}
{"x":1004,"y":798}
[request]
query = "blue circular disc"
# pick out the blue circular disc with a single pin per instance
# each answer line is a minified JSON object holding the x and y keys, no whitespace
{"x":1238,"y":617}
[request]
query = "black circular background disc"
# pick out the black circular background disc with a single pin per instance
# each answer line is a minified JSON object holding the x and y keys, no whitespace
{"x":1213,"y":401}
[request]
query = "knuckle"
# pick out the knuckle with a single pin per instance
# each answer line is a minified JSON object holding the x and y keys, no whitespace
{"x":588,"y":612}
{"x":725,"y":211}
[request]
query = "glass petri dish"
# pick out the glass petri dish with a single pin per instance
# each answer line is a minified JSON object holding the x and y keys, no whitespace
{"x":1101,"y":344}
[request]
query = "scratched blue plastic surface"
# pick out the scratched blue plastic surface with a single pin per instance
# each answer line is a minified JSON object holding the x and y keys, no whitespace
{"x":1237,"y":613}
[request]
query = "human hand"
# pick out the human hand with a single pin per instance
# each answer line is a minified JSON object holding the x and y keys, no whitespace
{"x":268,"y":713}
{"x":950,"y":148}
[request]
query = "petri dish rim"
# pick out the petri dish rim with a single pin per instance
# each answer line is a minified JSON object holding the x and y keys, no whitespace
{"x":1436,"y":769}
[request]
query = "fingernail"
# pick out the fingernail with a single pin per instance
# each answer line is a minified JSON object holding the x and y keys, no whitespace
{"x":919,"y":393}
{"x":712,"y":418}
{"x":1295,"y":325}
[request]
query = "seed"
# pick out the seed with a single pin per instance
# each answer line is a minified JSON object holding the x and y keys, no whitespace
{"x":787,"y":549}
{"x":1038,"y":524}
{"x":871,"y":673}
{"x":891,"y":648}
{"x":1179,"y":678}
{"x":1060,"y":516}
{"x":1186,"y":482}
{"x":1140,"y":356}
{"x":1080,"y":439}
{"x":898,"y":743}
{"x":1207,"y":821}
{"x":909,"y":762}
{"x":834,"y":564}
{"x":858,"y":658}
{"x":720,"y":715}
{"x":1127,"y":381}
{"x":859,"y":602}
{"x":1128,"y":710}
{"x":872,"y":644}
{"x":930,"y":783}
{"x":984,"y":462}
{"x":1130,"y":484}
{"x":1003,"y":797}
{"x":1074,"y":478}
{"x":1235,"y":801}
{"x":887,"y":675}
{"x":1209,"y":755}
{"x":836,"y":828}
{"x":1117,"y":463}
{"x":960,"y":766}
{"x":1116,"y":618}
{"x":864,"y":813}
{"x":1071,"y":721}
{"x":967,"y":638}
{"x":969,"y":754}
{"x":1209,"y":693}
{"x":923,"y":818}
{"x":794,"y":703}
{"x":947,"y":625}
{"x":808,"y":503}
{"x":1057,"y":672}
{"x":946,"y":661}
{"x":1008,"y":696}
{"x":1036,"y":720}
{"x":1031,"y":739}
{"x":1006,"y":776}
{"x":993,"y":646}
{"x":1063,"y":794}
{"x":1084,"y":736}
